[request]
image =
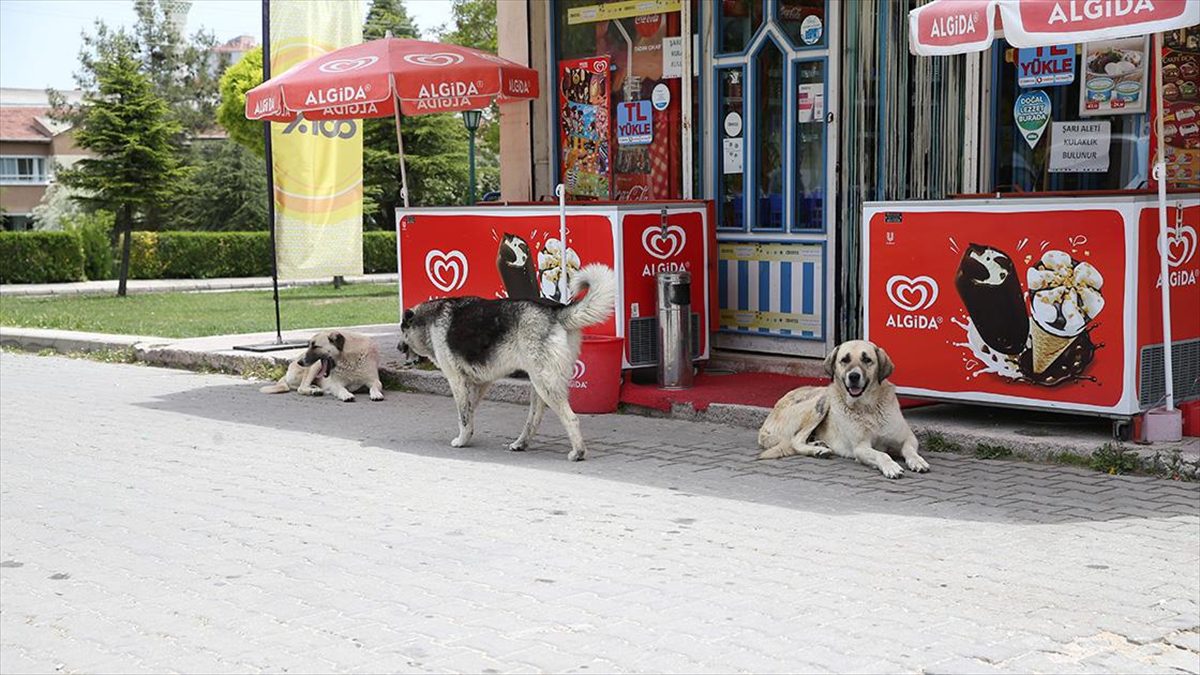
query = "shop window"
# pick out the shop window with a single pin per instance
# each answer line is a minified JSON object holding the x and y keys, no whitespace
{"x":738,"y":20}
{"x":768,"y":162}
{"x":810,"y":145}
{"x":731,"y":183}
{"x":803,"y":21}
{"x":1021,"y":165}
{"x":643,"y":86}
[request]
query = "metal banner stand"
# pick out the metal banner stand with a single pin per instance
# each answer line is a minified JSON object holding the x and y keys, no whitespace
{"x":278,"y":344}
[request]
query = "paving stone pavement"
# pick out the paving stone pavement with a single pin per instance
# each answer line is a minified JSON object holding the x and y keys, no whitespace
{"x":156,"y":520}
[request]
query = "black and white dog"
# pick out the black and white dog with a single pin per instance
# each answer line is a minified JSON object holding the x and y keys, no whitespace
{"x":476,"y":342}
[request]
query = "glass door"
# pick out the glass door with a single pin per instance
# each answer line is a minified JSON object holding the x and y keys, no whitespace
{"x":772,"y":118}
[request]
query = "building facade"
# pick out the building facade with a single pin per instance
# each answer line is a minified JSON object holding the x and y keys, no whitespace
{"x":796,"y":112}
{"x":32,"y":146}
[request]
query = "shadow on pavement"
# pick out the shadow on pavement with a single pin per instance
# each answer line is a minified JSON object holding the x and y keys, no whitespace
{"x":705,"y":459}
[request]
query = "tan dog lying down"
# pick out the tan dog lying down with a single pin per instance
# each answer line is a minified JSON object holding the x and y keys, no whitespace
{"x":856,"y":415}
{"x":335,"y":363}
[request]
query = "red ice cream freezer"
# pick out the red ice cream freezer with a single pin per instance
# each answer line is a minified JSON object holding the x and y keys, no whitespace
{"x":1034,"y":302}
{"x":513,"y":250}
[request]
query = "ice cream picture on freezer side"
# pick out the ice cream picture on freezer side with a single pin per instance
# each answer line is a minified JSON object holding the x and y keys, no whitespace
{"x":1039,"y":337}
{"x":1064,"y":300}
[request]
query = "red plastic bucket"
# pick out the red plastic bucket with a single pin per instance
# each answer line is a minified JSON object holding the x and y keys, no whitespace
{"x":595,"y":385}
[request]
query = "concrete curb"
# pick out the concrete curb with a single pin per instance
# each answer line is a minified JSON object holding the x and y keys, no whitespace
{"x":938,"y":431}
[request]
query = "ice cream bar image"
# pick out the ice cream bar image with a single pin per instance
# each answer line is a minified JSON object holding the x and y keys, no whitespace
{"x":990,"y":289}
{"x":516,"y":268}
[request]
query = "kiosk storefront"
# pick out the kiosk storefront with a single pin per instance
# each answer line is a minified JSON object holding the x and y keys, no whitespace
{"x":802,"y":111}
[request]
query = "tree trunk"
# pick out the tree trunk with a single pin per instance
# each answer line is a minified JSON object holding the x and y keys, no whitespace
{"x":126,"y":246}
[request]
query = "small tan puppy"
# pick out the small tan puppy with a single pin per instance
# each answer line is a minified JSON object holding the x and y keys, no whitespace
{"x":335,"y":363}
{"x":856,"y":415}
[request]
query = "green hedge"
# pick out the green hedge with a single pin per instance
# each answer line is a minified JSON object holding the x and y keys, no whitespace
{"x":379,"y":252}
{"x":207,"y":255}
{"x":40,"y":257}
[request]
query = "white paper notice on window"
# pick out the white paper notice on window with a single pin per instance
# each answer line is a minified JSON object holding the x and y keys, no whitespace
{"x":672,"y":57}
{"x":1080,"y":147}
{"x":732,"y":155}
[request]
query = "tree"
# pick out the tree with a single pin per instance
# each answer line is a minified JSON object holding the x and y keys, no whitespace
{"x":435,"y":146}
{"x":130,"y":130}
{"x":238,"y":79}
{"x":227,"y":191}
{"x":184,"y":72}
{"x":474,"y":25}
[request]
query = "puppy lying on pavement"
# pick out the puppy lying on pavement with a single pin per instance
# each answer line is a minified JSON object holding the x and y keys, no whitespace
{"x":335,"y":363}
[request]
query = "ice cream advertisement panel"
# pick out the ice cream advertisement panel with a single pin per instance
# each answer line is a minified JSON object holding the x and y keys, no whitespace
{"x":1017,"y":305}
{"x":492,"y":256}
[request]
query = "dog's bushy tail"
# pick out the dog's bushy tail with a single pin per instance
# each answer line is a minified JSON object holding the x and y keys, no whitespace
{"x":597,"y":305}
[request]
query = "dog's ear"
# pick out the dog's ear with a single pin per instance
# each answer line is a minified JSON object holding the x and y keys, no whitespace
{"x":831,"y":361}
{"x":886,"y":368}
{"x":408,"y":315}
{"x":338,"y":340}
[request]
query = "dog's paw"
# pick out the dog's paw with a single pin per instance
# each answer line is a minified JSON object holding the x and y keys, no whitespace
{"x":376,"y":396}
{"x":891,"y":469}
{"x":346,"y":398}
{"x":457,"y":442}
{"x":820,"y":449}
{"x":517,"y":446}
{"x":310,"y":391}
{"x":917,"y":463}
{"x":577,"y":455}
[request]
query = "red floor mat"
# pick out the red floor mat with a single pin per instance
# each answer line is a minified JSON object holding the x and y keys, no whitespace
{"x":756,"y":389}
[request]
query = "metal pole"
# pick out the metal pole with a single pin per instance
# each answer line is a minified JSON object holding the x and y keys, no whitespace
{"x":685,"y":28}
{"x":1160,"y":174}
{"x":266,"y":32}
{"x":471,"y":167}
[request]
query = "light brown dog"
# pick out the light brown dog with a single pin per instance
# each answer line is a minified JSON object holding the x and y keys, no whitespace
{"x":856,"y":415}
{"x":335,"y":363}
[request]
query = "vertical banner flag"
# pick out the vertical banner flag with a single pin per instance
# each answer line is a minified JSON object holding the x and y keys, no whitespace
{"x":318,"y":165}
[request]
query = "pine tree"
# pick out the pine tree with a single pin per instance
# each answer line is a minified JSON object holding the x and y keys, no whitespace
{"x":130,"y":130}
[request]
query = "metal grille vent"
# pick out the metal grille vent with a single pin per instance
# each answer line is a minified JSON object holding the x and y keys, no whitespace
{"x":1185,"y":368}
{"x":643,"y":340}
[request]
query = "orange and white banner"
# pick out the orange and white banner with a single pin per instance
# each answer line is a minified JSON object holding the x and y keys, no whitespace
{"x":318,"y":164}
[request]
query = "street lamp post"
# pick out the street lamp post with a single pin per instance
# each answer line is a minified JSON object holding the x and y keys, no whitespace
{"x":471,"y":122}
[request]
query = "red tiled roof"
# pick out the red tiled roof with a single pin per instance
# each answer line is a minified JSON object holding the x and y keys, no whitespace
{"x":19,"y":123}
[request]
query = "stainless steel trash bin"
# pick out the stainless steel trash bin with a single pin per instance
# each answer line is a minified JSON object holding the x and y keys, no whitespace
{"x":674,"y":329}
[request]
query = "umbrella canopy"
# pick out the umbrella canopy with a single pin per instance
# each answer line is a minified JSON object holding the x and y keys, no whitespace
{"x":366,"y":80}
{"x":961,"y":26}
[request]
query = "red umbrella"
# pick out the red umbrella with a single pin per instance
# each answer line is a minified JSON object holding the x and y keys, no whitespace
{"x":389,"y":77}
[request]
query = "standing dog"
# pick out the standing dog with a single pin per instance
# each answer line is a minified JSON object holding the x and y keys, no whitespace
{"x":857,"y":415}
{"x":476,"y":342}
{"x":335,"y":363}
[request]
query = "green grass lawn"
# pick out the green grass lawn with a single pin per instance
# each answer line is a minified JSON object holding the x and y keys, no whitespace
{"x":182,"y":315}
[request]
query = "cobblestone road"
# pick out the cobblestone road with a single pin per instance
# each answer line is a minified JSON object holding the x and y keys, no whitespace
{"x":155,"y":520}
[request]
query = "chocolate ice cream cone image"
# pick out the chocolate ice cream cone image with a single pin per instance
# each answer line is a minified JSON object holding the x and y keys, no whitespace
{"x":1064,"y":299}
